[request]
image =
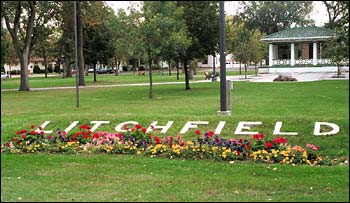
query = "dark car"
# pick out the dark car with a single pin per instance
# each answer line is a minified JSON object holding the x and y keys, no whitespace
{"x":104,"y":70}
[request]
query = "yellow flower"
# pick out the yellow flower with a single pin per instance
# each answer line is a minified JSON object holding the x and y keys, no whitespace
{"x":138,"y":152}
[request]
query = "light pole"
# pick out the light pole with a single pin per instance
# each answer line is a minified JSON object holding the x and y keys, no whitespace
{"x":76,"y":54}
{"x":223,"y":102}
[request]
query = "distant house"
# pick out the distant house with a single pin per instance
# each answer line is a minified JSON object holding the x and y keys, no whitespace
{"x":210,"y":60}
{"x":299,"y":49}
{"x":33,"y":62}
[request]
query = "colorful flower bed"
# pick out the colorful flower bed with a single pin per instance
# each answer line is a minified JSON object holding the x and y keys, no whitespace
{"x":137,"y":141}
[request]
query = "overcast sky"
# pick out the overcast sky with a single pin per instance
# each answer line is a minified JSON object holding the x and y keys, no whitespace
{"x":319,"y":14}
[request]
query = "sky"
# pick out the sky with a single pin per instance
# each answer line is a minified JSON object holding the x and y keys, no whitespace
{"x":319,"y":14}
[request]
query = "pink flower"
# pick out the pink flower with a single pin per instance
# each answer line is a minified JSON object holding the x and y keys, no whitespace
{"x":311,"y":146}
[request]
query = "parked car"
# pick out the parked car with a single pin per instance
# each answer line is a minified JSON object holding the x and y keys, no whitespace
{"x":104,"y":70}
{"x":4,"y":75}
{"x":91,"y":70}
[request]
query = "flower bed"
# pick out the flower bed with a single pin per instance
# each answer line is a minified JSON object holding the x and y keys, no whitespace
{"x":137,"y":141}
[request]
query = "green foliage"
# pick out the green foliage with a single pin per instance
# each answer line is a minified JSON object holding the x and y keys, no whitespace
{"x":274,"y":16}
{"x":338,"y":48}
{"x":202,"y":21}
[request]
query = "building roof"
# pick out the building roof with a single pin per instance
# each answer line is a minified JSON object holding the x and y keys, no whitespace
{"x":300,"y":34}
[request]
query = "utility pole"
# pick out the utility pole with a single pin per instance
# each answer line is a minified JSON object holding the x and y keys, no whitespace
{"x":223,"y":103}
{"x":76,"y":54}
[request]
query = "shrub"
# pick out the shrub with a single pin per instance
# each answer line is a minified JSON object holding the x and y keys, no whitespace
{"x":125,"y":68}
{"x":36,"y":69}
{"x":15,"y":72}
{"x":50,"y":69}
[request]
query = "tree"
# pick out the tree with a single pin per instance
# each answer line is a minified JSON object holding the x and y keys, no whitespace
{"x":22,"y":19}
{"x":5,"y":43}
{"x":202,"y":21}
{"x":335,"y":10}
{"x":234,"y":25}
{"x":11,"y":58}
{"x":338,"y":48}
{"x":274,"y":16}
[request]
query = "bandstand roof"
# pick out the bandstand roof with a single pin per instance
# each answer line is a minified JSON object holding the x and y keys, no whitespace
{"x":300,"y":34}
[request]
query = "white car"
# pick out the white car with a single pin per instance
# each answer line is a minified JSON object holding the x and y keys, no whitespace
{"x":4,"y":75}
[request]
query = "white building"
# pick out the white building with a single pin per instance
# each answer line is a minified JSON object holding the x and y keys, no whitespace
{"x":33,"y":62}
{"x":208,"y":63}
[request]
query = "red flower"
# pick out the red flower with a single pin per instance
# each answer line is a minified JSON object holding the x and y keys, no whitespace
{"x":138,"y":126}
{"x":198,"y":132}
{"x":89,"y":132}
{"x":86,"y":136}
{"x":24,"y":136}
{"x":210,"y":133}
{"x":76,"y":134}
{"x":32,"y":126}
{"x":152,"y":127}
{"x":182,"y":143}
{"x":64,"y":133}
{"x":95,"y":136}
{"x":19,"y":132}
{"x":49,"y":137}
{"x":268,"y":144}
{"x":258,"y":137}
{"x":74,"y":140}
{"x":126,"y":127}
{"x":144,"y":130}
{"x":42,"y":132}
{"x":238,"y":153}
{"x":156,"y":139}
{"x":278,"y":140}
{"x":40,"y":128}
{"x":32,"y":132}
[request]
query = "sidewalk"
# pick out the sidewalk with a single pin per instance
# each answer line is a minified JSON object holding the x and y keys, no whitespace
{"x":301,"y":77}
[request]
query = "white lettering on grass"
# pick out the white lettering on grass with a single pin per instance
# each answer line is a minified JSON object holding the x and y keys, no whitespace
{"x":278,"y":127}
{"x":43,"y":126}
{"x":243,"y":125}
{"x":317,"y":130}
{"x":119,"y":127}
{"x":71,"y":126}
{"x":220,"y":127}
{"x":97,"y":124}
{"x":192,"y":124}
{"x":155,"y":126}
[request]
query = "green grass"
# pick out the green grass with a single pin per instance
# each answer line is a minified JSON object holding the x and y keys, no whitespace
{"x":104,"y":79}
{"x":125,"y":178}
{"x":98,"y":178}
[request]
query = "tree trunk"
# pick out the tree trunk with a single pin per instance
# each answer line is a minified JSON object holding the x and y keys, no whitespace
{"x":94,"y":72}
{"x":338,"y":72}
{"x":240,"y":68}
{"x":68,"y":68}
{"x":80,"y":47}
{"x":177,"y":71}
{"x":169,"y":67}
{"x":86,"y":70}
{"x":24,"y":85}
{"x":186,"y":75}
{"x":256,"y":71}
{"x":117,"y":63}
{"x":245,"y":70}
{"x":162,"y":68}
{"x":45,"y":61}
{"x":22,"y":54}
{"x":150,"y":78}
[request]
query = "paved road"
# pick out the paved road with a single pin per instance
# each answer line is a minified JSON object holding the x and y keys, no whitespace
{"x":301,"y":77}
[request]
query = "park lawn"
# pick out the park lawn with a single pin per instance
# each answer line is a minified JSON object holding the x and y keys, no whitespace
{"x":47,"y":177}
{"x":299,"y":105}
{"x":105,"y":178}
{"x":104,"y":79}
